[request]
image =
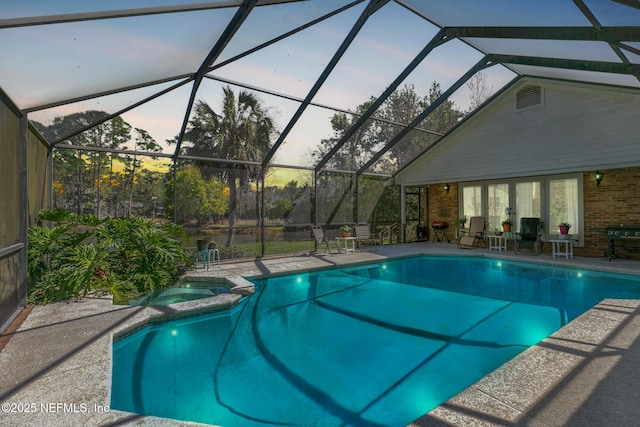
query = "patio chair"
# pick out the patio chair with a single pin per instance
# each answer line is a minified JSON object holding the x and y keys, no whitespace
{"x":365,"y":237}
{"x":475,"y":235}
{"x":529,"y":237}
{"x":323,"y":240}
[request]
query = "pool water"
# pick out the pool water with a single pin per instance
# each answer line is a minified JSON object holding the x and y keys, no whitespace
{"x":376,"y":345}
{"x":186,"y":291}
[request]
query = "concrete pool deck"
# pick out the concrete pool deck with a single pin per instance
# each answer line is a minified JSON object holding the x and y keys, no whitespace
{"x":55,"y":370}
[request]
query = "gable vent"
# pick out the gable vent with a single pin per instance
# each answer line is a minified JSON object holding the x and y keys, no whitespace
{"x":529,"y":96}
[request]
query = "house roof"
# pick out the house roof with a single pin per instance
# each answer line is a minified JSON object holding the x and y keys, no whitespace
{"x":150,"y":62}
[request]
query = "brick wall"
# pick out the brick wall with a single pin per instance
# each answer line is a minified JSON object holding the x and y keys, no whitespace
{"x":615,"y":201}
{"x":443,"y":206}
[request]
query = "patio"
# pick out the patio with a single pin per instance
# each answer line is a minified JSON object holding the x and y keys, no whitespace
{"x":581,"y":375}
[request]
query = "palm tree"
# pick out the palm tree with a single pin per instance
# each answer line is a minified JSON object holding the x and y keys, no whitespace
{"x":242,"y":131}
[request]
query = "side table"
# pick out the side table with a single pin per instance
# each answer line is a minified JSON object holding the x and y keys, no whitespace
{"x":498,"y":243}
{"x":562,"y":247}
{"x":346,"y":241}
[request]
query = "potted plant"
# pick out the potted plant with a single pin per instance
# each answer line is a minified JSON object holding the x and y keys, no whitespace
{"x":564,"y":227}
{"x":507,"y":223}
{"x":346,"y":231}
{"x":460,"y":222}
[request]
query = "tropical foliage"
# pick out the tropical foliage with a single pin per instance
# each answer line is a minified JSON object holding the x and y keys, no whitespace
{"x":242,"y":130}
{"x":81,"y":254}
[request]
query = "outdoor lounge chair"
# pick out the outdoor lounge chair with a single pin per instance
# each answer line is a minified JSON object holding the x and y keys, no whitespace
{"x":364,"y":236}
{"x":529,"y":237}
{"x":475,"y":235}
{"x":323,"y":240}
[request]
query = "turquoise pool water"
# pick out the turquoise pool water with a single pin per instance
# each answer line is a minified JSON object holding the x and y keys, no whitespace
{"x":375,"y":345}
{"x":186,"y":291}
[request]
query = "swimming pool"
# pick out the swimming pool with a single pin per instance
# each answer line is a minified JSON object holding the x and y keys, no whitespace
{"x":374,"y":345}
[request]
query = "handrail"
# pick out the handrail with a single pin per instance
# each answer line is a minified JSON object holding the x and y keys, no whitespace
{"x":390,"y":231}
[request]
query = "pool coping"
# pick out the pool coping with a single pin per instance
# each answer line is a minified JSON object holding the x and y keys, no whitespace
{"x":517,"y":392}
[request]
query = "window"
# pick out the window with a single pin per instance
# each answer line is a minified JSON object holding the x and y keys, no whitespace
{"x":553,"y":199}
{"x":471,"y":202}
{"x":528,"y":201}
{"x":564,"y":204}
{"x":498,"y":201}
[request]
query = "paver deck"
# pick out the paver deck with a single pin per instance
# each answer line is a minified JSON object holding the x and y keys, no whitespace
{"x":56,"y":368}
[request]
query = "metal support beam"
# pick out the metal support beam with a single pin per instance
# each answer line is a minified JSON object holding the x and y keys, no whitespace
{"x":263,"y":225}
{"x":613,"y":44}
{"x":124,"y":13}
{"x":285,"y":35}
{"x":483,"y":63}
{"x":570,"y":64}
{"x":629,"y":34}
{"x":23,"y":220}
{"x":369,"y":10}
{"x":631,"y":3}
{"x":117,"y":113}
{"x":241,"y":14}
{"x":436,"y":41}
{"x":187,"y":78}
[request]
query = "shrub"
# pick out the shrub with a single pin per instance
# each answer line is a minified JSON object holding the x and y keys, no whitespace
{"x":82,"y":255}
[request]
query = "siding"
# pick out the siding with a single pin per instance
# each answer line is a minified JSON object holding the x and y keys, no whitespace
{"x":579,"y":127}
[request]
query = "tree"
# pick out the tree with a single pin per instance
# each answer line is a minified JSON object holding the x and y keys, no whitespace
{"x":143,"y":142}
{"x":241,"y":131}
{"x":85,"y":179}
{"x":280,"y":208}
{"x":400,"y":108}
{"x":198,"y":199}
{"x":191,"y":196}
{"x":71,"y":171}
{"x":357,"y":149}
{"x":480,"y":92}
{"x":116,"y":133}
{"x":441,"y":120}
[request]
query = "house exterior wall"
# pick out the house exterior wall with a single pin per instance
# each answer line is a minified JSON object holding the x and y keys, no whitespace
{"x":578,"y":128}
{"x":614,"y":202}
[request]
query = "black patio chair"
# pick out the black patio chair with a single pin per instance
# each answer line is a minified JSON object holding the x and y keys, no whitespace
{"x":529,"y":237}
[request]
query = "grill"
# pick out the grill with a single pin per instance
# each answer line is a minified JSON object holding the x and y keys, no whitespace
{"x":624,"y":233}
{"x":440,"y":231}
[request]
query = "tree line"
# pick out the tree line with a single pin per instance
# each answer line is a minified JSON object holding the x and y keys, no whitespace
{"x":239,"y":134}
